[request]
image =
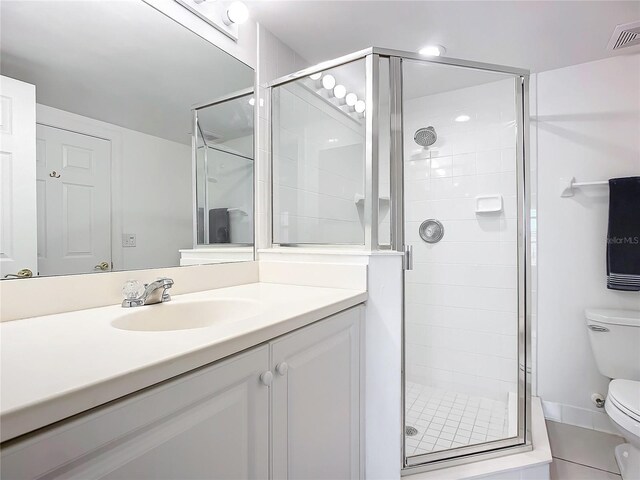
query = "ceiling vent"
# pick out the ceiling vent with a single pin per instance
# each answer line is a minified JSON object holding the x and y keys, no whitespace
{"x":625,"y":35}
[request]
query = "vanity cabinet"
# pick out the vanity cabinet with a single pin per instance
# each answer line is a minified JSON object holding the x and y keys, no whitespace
{"x":214,"y":423}
{"x":316,"y":401}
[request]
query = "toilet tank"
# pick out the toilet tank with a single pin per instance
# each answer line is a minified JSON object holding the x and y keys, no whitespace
{"x":615,"y":341}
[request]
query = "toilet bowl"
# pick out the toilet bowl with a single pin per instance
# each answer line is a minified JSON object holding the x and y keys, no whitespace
{"x":615,"y":341}
{"x":623,"y":408}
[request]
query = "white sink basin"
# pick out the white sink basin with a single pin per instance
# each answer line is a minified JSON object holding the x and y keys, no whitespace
{"x":185,"y":315}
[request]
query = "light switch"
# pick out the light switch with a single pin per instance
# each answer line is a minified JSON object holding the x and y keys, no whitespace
{"x":128,"y":239}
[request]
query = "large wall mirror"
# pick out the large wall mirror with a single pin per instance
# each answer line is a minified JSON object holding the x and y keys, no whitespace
{"x":126,"y":141}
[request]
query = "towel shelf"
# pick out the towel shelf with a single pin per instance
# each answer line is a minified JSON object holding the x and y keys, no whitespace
{"x":238,"y":210}
{"x":567,"y":186}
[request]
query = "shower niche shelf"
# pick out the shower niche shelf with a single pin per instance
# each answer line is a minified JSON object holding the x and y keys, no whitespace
{"x":384,"y":204}
{"x":489,"y":203}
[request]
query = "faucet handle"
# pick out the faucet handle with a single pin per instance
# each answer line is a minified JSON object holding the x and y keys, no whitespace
{"x":132,"y":289}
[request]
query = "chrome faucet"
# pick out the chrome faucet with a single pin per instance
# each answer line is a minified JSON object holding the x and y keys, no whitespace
{"x":154,"y":292}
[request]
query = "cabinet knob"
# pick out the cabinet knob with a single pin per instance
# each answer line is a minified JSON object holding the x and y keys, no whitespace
{"x":266,"y":378}
{"x":282,"y":368}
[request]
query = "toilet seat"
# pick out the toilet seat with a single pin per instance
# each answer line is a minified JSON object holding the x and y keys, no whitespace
{"x":623,"y":405}
{"x":625,"y":394}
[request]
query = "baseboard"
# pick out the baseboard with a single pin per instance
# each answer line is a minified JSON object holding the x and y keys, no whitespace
{"x":579,"y":417}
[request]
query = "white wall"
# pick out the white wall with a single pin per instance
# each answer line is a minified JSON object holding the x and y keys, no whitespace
{"x":151,"y":190}
{"x":156,"y":200}
{"x":587,"y":126}
{"x":461,"y":296}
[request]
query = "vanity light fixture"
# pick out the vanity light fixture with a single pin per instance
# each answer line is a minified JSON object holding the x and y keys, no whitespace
{"x":328,"y":82}
{"x":339,"y":91}
{"x":351,"y":99}
{"x":360,"y":106}
{"x":463,"y":118}
{"x":236,"y":13}
{"x":252,"y":101}
{"x":316,"y":76}
{"x":432,"y":50}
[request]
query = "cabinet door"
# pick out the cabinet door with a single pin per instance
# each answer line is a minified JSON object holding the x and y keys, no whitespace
{"x":209,"y":424}
{"x":316,"y":400}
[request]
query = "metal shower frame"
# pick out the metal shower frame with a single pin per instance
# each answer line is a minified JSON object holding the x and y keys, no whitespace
{"x":372,"y":56}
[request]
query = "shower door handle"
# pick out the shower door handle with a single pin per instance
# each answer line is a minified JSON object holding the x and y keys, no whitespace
{"x":408,"y":257}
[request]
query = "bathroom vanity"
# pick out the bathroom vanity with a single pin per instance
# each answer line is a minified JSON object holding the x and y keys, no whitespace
{"x":268,"y":387}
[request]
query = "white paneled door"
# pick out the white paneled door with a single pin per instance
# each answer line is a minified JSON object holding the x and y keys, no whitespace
{"x":17,"y":177}
{"x":74,"y":202}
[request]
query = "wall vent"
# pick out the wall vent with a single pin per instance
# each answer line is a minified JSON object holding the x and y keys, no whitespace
{"x":625,"y":35}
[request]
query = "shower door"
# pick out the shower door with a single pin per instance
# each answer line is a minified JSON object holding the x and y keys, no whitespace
{"x":464,"y":218}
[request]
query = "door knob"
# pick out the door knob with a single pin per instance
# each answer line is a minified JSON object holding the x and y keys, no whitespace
{"x":266,"y":378}
{"x":24,"y":273}
{"x":102,"y":266}
{"x":282,"y":368}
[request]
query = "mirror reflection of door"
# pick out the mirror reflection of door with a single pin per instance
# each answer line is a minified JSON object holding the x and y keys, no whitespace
{"x":17,"y":170}
{"x":74,"y":202}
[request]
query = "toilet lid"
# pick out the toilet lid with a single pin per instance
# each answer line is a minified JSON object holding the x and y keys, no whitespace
{"x":625,"y":394}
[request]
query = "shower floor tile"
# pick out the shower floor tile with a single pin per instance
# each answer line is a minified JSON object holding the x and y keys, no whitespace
{"x":446,"y":419}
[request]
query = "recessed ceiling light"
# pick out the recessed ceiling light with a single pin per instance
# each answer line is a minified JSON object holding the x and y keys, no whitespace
{"x":339,"y":91}
{"x":463,"y":118}
{"x":432,"y":50}
{"x":328,"y":82}
{"x":316,"y":76}
{"x":351,"y":99}
{"x":236,"y":13}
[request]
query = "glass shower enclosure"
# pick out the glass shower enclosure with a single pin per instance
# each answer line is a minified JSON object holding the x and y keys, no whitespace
{"x":223,"y":179}
{"x":389,"y":150}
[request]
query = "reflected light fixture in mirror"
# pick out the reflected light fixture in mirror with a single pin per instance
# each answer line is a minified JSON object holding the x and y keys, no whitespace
{"x":432,"y":50}
{"x":339,"y":91}
{"x":236,"y":13}
{"x":328,"y":82}
{"x":351,"y":99}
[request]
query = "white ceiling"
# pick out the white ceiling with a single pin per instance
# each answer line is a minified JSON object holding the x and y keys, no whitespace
{"x":121,"y":62}
{"x":537,"y":35}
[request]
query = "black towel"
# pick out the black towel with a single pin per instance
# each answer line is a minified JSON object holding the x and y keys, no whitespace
{"x":219,"y":226}
{"x":623,"y":237}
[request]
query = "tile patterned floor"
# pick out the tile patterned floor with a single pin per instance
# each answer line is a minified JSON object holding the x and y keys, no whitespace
{"x":582,"y":454}
{"x":447,"y":419}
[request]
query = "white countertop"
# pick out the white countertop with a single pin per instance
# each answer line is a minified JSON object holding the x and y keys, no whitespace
{"x":56,"y":366}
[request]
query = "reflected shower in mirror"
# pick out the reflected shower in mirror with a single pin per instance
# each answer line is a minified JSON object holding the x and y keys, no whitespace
{"x":98,"y":152}
{"x":224,"y":180}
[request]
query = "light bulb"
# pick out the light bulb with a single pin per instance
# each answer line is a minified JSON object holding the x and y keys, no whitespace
{"x":339,"y":91}
{"x":252,"y":101}
{"x":360,"y":106}
{"x":463,"y":118}
{"x":316,"y":76}
{"x":351,"y":99}
{"x":328,"y":82}
{"x":236,"y":13}
{"x":432,"y":50}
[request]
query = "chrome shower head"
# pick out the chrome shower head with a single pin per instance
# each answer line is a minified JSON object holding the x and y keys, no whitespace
{"x":425,"y":137}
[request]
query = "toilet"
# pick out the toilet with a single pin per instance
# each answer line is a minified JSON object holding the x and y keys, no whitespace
{"x":615,"y":341}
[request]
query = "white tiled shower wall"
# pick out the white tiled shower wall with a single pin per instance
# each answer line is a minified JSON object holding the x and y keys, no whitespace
{"x":318,"y":154}
{"x":461,"y":296}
